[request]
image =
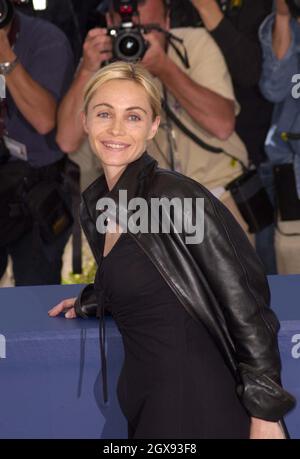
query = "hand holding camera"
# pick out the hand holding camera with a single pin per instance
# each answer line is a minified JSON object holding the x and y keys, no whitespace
{"x":127,"y":38}
{"x":97,"y":48}
{"x":155,"y":57}
{"x":133,"y":41}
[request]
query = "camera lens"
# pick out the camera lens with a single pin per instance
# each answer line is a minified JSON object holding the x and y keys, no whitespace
{"x":129,"y":46}
{"x":6,"y":13}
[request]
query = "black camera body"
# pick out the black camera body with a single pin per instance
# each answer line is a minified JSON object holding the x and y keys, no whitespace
{"x":7,"y":9}
{"x":6,"y":13}
{"x":128,"y":41}
{"x":294,"y":7}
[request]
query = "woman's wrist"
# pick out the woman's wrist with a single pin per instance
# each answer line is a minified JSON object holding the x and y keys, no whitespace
{"x":266,"y":430}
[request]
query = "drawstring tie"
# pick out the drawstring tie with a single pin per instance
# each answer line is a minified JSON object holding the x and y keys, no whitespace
{"x":102,"y":340}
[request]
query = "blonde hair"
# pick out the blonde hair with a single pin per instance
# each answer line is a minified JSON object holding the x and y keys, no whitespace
{"x":121,"y":70}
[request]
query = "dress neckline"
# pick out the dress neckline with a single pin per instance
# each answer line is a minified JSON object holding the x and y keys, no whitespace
{"x":113,"y":247}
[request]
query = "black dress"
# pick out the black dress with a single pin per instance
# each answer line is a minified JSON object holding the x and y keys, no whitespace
{"x":174,"y":382}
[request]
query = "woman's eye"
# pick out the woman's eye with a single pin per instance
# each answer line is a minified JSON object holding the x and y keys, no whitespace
{"x":134,"y":118}
{"x":103,"y":115}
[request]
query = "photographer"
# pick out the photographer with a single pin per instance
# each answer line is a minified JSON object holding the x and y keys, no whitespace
{"x":236,"y":33}
{"x":280,"y":39}
{"x":201,"y":96}
{"x":36,"y":61}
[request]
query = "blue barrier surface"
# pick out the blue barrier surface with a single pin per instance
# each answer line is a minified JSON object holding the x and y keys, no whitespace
{"x":50,"y":383}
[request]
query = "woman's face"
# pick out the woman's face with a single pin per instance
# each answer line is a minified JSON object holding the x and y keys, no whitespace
{"x":119,"y":122}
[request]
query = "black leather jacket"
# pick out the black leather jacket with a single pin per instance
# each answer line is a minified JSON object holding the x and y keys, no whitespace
{"x":220,"y":281}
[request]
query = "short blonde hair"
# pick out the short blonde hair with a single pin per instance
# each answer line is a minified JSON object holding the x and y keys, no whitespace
{"x":121,"y":70}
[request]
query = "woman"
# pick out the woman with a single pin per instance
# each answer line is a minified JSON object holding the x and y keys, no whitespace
{"x":193,"y":313}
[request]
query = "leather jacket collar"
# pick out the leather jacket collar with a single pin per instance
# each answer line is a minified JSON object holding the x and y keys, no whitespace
{"x":133,"y":180}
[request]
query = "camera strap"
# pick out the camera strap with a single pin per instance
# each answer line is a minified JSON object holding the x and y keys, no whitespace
{"x":72,"y":174}
{"x":196,"y":139}
{"x":183,"y":56}
{"x":171,"y":115}
{"x":169,"y":133}
{"x":171,"y":39}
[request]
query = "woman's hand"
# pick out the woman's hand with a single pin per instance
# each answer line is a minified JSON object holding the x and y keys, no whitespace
{"x":266,"y":430}
{"x":65,"y":306}
{"x":97,"y":48}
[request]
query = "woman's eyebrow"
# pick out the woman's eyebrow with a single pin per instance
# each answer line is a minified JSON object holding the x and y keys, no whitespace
{"x":103,"y":103}
{"x":136,"y":107}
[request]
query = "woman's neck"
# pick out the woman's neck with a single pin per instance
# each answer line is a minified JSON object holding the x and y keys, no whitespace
{"x":112,"y":175}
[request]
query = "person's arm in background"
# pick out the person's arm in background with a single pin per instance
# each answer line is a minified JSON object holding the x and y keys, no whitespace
{"x":237,"y":39}
{"x":96,"y":49}
{"x":282,"y":36}
{"x":36,"y":103}
{"x":280,"y":54}
{"x":213,"y":112}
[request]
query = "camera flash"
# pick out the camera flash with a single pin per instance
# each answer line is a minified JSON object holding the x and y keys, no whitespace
{"x":39,"y":4}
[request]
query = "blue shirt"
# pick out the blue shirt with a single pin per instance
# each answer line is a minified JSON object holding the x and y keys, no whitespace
{"x":276,"y":85}
{"x":45,"y":53}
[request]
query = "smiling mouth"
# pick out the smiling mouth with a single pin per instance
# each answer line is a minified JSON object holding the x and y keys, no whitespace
{"x":115,"y":145}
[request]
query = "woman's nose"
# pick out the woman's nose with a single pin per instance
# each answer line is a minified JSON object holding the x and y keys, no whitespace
{"x":117,"y":127}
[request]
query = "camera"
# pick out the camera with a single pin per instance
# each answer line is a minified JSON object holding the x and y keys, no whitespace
{"x":294,"y":7}
{"x":7,"y":9}
{"x":6,"y":13}
{"x":128,"y":41}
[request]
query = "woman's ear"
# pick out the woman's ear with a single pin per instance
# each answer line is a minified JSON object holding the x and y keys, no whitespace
{"x":84,"y":122}
{"x":154,"y":127}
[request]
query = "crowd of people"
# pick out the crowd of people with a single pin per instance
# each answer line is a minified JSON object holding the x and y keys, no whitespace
{"x":227,"y":85}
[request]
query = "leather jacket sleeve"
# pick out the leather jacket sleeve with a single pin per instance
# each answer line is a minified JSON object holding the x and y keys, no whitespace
{"x":236,"y":276}
{"x":86,"y":303}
